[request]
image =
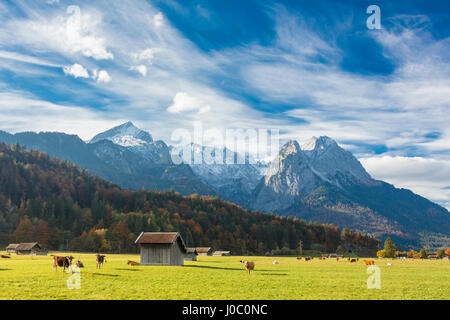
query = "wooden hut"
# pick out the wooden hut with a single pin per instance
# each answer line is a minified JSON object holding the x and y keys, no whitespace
{"x":222,"y":253}
{"x":161,"y":248}
{"x":204,"y":251}
{"x":191,"y":254}
{"x":11,"y":248}
{"x":28,"y":248}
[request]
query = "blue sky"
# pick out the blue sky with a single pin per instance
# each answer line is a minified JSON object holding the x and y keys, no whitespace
{"x":304,"y":67}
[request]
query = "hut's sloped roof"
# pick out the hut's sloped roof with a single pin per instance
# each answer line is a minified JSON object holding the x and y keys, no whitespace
{"x":191,"y":250}
{"x":157,"y":237}
{"x":12,"y":246}
{"x":219,"y":253}
{"x":160,"y":238}
{"x":203,"y":249}
{"x":28,"y":246}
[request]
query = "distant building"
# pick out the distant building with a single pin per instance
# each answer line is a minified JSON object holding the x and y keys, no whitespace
{"x":28,"y":248}
{"x":191,"y":254}
{"x":204,"y":251}
{"x":221,"y":253}
{"x":11,"y":248}
{"x":161,"y":248}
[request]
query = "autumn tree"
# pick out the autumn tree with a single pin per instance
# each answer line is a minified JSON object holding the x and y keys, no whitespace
{"x":41,"y":233}
{"x":24,"y":231}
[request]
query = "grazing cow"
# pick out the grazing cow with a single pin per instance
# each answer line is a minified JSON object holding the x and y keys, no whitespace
{"x":275,"y":262}
{"x":299,"y":258}
{"x":337,"y":259}
{"x":5,"y":256}
{"x":79,"y":264}
{"x":133,"y":263}
{"x":249,"y":266}
{"x":64,"y":262}
{"x":100,"y":259}
{"x":352,"y":260}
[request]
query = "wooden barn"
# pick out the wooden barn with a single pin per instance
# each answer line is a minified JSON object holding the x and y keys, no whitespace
{"x":221,"y":253}
{"x":161,"y":248}
{"x":28,"y":248}
{"x":11,"y":248}
{"x":204,"y":251}
{"x":191,"y":254}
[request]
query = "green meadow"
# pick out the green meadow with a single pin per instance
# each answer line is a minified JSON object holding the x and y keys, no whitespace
{"x":33,"y":277}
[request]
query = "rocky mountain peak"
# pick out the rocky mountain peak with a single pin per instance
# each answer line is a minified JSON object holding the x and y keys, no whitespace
{"x":126,"y":135}
{"x":321,"y":143}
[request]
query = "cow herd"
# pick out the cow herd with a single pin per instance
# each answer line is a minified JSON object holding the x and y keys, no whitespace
{"x":351,"y":260}
{"x":66,"y":262}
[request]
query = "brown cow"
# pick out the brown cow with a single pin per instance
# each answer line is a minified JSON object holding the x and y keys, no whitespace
{"x":352,"y":260}
{"x":133,"y":263}
{"x":64,"y":262}
{"x":369,"y":262}
{"x":5,"y":256}
{"x":249,"y":266}
{"x":299,"y":258}
{"x":100,"y":259}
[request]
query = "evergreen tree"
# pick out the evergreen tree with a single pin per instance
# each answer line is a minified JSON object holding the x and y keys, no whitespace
{"x":423,"y":254}
{"x":389,"y":248}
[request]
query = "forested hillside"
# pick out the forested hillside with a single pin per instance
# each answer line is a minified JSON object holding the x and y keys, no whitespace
{"x":57,"y":203}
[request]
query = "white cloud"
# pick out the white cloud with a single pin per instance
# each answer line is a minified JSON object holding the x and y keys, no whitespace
{"x":103,"y":76}
{"x":75,"y":31}
{"x":183,"y":102}
{"x":428,"y":177}
{"x":147,"y":55}
{"x":142,"y":69}
{"x":76,"y":70}
{"x":22,"y":111}
{"x":158,"y":19}
{"x":26,"y":59}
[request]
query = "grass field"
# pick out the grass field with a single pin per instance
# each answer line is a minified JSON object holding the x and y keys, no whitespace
{"x":32,"y":277}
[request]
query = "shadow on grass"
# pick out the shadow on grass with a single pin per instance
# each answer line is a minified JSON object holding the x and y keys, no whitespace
{"x":106,"y":275}
{"x":5,"y":269}
{"x":273,"y":274}
{"x":220,"y":268}
{"x":127,"y":269}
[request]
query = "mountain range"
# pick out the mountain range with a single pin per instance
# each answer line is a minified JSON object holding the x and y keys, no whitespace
{"x":317,"y":181}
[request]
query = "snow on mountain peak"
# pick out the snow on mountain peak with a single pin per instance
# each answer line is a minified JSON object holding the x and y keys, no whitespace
{"x":320,"y":143}
{"x":126,"y":135}
{"x":290,"y":147}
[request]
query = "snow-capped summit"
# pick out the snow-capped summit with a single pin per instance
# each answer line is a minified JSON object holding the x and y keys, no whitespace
{"x":136,"y":140}
{"x":126,"y":135}
{"x":320,"y":143}
{"x":334,"y":164}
